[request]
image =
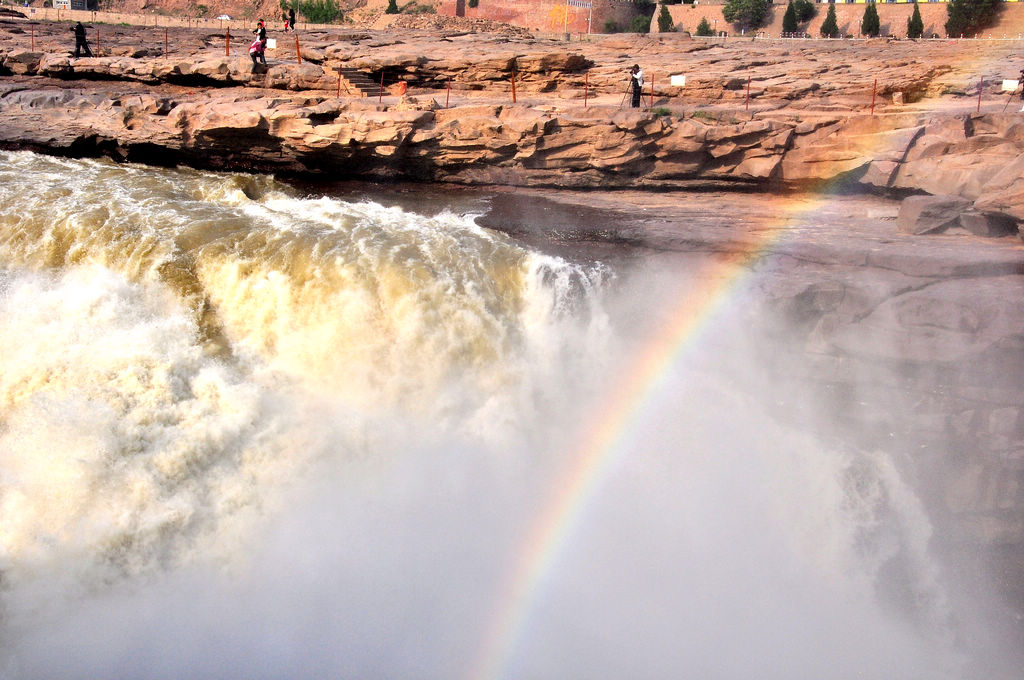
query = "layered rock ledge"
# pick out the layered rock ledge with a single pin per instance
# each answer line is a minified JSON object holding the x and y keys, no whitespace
{"x":895,"y":117}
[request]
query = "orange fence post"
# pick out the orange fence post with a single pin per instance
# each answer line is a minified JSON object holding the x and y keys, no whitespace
{"x":227,"y":42}
{"x":33,"y":37}
{"x":652,"y":91}
{"x":513,"y":87}
{"x":97,"y":41}
{"x":448,"y":94}
{"x":586,"y":86}
{"x":748,"y":93}
{"x":981,"y":86}
{"x":298,"y":54}
{"x":165,"y":43}
{"x":874,"y":91}
{"x":339,"y":80}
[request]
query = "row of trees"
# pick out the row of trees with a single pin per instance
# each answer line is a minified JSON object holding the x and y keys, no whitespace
{"x":965,"y":17}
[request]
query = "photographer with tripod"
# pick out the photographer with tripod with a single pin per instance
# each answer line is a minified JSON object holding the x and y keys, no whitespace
{"x":637,"y":83}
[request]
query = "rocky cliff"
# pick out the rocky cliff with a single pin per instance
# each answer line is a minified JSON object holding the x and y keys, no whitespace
{"x":803,"y":117}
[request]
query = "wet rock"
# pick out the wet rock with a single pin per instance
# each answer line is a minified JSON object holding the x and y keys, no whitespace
{"x":930,"y":214}
{"x":988,"y":224}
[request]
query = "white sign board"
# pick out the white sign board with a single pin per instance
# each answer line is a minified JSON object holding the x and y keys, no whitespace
{"x":62,"y":4}
{"x":677,"y":81}
{"x":1010,"y":85}
{"x":271,"y":43}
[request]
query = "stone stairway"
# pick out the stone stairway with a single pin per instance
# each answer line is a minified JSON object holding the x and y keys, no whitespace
{"x":357,"y":83}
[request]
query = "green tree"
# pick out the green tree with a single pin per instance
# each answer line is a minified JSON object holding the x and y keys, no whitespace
{"x":789,"y":24}
{"x":704,"y":28}
{"x":320,"y":11}
{"x":665,"y":23}
{"x":968,"y":17}
{"x":746,"y":13}
{"x":805,"y":10}
{"x":870,"y":25}
{"x":830,"y":28}
{"x":392,"y":7}
{"x":915,"y":25}
{"x":641,"y":23}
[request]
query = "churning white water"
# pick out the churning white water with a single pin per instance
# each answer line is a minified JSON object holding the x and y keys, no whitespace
{"x":245,"y":433}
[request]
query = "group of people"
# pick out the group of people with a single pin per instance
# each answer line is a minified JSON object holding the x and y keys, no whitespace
{"x":258,"y":49}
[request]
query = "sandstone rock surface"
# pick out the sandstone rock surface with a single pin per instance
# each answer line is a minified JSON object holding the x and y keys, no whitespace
{"x":801,"y":119}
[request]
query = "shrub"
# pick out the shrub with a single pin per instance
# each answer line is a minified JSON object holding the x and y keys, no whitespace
{"x":473,"y":3}
{"x":915,"y":25}
{"x":413,"y":8}
{"x":830,"y":28}
{"x":640,"y":24}
{"x":789,"y":24}
{"x":704,"y":28}
{"x":968,"y":17}
{"x":746,"y":13}
{"x":320,"y":11}
{"x":870,"y":25}
{"x":611,"y":27}
{"x":665,"y":24}
{"x":392,"y":7}
{"x":805,"y":10}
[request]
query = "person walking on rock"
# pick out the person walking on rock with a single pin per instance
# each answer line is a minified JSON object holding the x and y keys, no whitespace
{"x":637,"y":82}
{"x":291,"y":17}
{"x":261,"y":36}
{"x":81,"y":44}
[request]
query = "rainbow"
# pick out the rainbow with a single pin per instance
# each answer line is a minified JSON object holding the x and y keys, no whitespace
{"x":601,"y":449}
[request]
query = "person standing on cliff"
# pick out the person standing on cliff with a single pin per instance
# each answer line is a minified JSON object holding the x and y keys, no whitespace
{"x":80,"y":42}
{"x":291,"y":18}
{"x":637,"y":82}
